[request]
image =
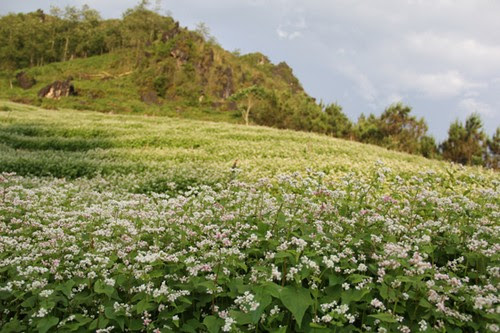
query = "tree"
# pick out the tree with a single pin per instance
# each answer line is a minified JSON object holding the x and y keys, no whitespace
{"x":338,"y":124}
{"x":402,"y":131}
{"x":203,"y":30}
{"x":249,"y":96}
{"x":428,"y":147}
{"x":367,"y":130}
{"x":466,"y":144}
{"x":493,"y":160}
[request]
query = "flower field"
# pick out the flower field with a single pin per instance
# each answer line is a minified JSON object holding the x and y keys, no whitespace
{"x":179,"y":226}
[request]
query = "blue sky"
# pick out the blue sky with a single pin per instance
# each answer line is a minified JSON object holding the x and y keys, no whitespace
{"x":442,"y":57}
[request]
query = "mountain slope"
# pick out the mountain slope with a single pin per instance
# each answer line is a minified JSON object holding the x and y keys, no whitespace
{"x":148,"y":63}
{"x":169,"y":219}
{"x":69,"y":143}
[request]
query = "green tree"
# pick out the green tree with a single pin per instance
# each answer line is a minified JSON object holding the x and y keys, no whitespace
{"x":367,"y":130}
{"x":466,"y":144}
{"x":338,"y":124}
{"x":401,"y":130}
{"x":249,"y":96}
{"x":397,"y":129}
{"x":494,"y":150}
{"x":203,"y":30}
{"x":428,"y":147}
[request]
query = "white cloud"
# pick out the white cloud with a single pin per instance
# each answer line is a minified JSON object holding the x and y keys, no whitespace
{"x":460,"y":51}
{"x":440,"y":56}
{"x":393,"y":98}
{"x":283,"y":34}
{"x":365,"y":87}
{"x":438,"y":85}
{"x":293,"y":23}
{"x":471,"y":105}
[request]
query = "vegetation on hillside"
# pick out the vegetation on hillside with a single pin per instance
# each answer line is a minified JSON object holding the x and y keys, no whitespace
{"x":71,"y":144}
{"x":147,"y":63}
{"x":115,"y":223}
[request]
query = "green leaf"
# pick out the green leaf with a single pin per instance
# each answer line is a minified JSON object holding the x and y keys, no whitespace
{"x":66,"y":287}
{"x":109,"y":312}
{"x":297,"y":300}
{"x":93,"y":325}
{"x":264,"y":300}
{"x":47,"y":323}
{"x":356,"y":278}
{"x":213,"y":324}
{"x":385,"y":317}
{"x":102,"y":288}
{"x":135,"y":324}
{"x":144,"y":305}
{"x":29,"y":303}
{"x":13,"y":326}
{"x":335,"y":279}
{"x":77,"y":323}
{"x":384,"y":291}
{"x":121,"y":322}
{"x":103,"y":322}
{"x":425,"y":304}
{"x":353,"y":295}
{"x":5,"y":294}
{"x":268,"y":288}
{"x":241,"y":317}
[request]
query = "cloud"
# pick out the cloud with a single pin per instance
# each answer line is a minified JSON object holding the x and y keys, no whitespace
{"x":393,"y":98}
{"x":471,"y":105}
{"x":365,"y":87}
{"x":293,"y":23}
{"x":441,"y":56}
{"x":283,"y":34}
{"x":438,"y":85}
{"x":460,"y":51}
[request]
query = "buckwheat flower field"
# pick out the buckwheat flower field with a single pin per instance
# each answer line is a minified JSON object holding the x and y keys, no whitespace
{"x":389,"y":243}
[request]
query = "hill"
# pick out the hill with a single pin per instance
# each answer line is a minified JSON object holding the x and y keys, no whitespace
{"x":69,"y":143}
{"x":146,"y":63}
{"x":138,"y":223}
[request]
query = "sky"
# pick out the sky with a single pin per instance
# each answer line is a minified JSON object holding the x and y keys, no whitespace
{"x":441,"y":57}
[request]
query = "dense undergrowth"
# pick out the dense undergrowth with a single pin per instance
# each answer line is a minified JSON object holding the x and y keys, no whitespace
{"x":111,"y":223}
{"x":291,"y":253}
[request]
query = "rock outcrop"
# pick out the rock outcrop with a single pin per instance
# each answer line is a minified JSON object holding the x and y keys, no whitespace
{"x":58,"y":89}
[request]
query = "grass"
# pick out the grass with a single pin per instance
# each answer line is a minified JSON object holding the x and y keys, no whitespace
{"x":100,"y":87}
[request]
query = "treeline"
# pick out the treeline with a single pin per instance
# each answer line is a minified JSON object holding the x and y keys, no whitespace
{"x":396,"y":128}
{"x":467,"y":143}
{"x":37,"y":38}
{"x":174,"y":65}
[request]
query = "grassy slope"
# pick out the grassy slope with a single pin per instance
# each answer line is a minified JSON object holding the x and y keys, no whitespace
{"x":118,"y":93}
{"x":113,"y":82}
{"x":68,"y":143}
{"x":443,"y":216}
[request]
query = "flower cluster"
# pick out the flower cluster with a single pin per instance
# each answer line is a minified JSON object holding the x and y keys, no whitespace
{"x":378,"y":250}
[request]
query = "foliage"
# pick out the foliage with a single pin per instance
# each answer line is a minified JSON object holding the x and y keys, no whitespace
{"x":341,"y":126}
{"x":115,"y":63}
{"x":466,"y":144}
{"x":493,"y":159}
{"x":158,"y":232}
{"x":397,"y":129}
{"x":290,"y":254}
{"x":249,"y":95}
